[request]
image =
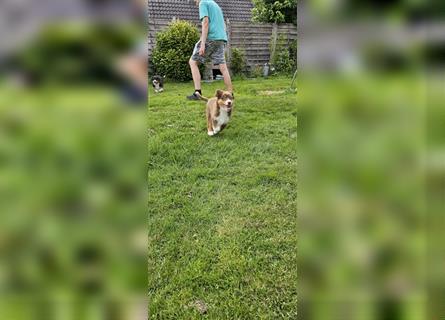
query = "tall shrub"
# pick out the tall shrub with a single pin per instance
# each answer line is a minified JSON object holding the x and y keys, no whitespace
{"x":282,"y":60}
{"x":238,"y":61}
{"x":173,"y":49}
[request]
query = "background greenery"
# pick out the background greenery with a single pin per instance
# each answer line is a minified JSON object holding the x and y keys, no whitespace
{"x":362,"y":211}
{"x":75,"y":53}
{"x":72,"y":233}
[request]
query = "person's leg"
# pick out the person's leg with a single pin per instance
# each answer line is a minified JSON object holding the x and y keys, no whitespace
{"x":226,"y":75}
{"x":218,"y":58}
{"x":195,"y":74}
{"x":194,"y":61}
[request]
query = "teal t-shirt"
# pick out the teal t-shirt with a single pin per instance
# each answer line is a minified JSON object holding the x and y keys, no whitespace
{"x":217,"y":28}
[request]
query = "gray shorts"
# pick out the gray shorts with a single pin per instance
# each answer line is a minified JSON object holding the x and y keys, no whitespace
{"x":214,"y":52}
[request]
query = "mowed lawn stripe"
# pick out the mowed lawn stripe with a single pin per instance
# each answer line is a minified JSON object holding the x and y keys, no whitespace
{"x":222,"y":210}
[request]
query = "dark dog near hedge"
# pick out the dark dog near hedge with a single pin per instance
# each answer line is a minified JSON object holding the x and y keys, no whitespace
{"x":158,"y":83}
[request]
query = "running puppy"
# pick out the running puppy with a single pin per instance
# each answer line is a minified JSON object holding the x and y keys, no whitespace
{"x":219,"y":109}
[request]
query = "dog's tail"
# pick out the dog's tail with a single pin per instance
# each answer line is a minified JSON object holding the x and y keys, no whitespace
{"x":201,"y":97}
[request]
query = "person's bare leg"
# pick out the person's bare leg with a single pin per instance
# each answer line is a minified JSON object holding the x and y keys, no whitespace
{"x":195,"y":74}
{"x":227,"y":80}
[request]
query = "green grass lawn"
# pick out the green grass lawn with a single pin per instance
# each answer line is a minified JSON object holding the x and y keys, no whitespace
{"x":222,"y":210}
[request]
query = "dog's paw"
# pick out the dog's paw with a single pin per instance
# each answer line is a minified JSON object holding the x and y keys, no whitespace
{"x":210,"y":133}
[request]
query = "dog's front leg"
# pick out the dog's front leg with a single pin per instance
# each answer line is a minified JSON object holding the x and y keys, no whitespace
{"x":209,"y":124}
{"x":216,"y":127}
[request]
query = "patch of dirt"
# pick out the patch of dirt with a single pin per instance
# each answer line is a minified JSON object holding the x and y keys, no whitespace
{"x":199,"y":305}
{"x":270,"y":92}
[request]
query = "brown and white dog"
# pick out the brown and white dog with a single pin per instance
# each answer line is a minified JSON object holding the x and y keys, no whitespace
{"x":218,"y":111}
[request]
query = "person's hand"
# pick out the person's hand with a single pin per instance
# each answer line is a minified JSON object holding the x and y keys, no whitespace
{"x":202,"y":49}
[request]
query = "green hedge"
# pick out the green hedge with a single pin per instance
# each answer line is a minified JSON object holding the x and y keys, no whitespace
{"x":173,"y":49}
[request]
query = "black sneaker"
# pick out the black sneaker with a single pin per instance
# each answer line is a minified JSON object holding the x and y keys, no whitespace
{"x":194,"y":96}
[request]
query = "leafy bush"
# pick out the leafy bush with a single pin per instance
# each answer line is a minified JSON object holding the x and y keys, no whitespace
{"x":282,"y":60}
{"x":238,"y":61}
{"x":173,"y":48}
{"x":256,"y":71}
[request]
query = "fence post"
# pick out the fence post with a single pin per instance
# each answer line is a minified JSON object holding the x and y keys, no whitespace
{"x":274,"y":42}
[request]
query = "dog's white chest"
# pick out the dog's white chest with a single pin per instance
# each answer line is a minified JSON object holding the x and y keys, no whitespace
{"x":223,"y":118}
{"x":158,"y":87}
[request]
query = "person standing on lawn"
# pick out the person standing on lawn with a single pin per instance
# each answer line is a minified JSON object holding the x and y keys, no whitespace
{"x":211,"y":46}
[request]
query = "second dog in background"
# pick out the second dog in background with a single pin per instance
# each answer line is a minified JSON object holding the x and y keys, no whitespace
{"x":158,"y":83}
{"x":218,"y":111}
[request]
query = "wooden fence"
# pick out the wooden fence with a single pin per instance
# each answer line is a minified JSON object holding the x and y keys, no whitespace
{"x":258,"y":41}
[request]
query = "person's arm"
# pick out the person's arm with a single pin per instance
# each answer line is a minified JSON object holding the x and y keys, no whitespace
{"x":204,"y":33}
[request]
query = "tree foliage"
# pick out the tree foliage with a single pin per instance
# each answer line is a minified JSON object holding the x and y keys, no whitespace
{"x":275,"y":11}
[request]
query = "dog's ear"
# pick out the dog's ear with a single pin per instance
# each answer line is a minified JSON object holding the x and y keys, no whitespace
{"x":219,"y":94}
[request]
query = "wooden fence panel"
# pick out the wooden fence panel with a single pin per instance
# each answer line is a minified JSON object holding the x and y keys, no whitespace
{"x":254,"y":39}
